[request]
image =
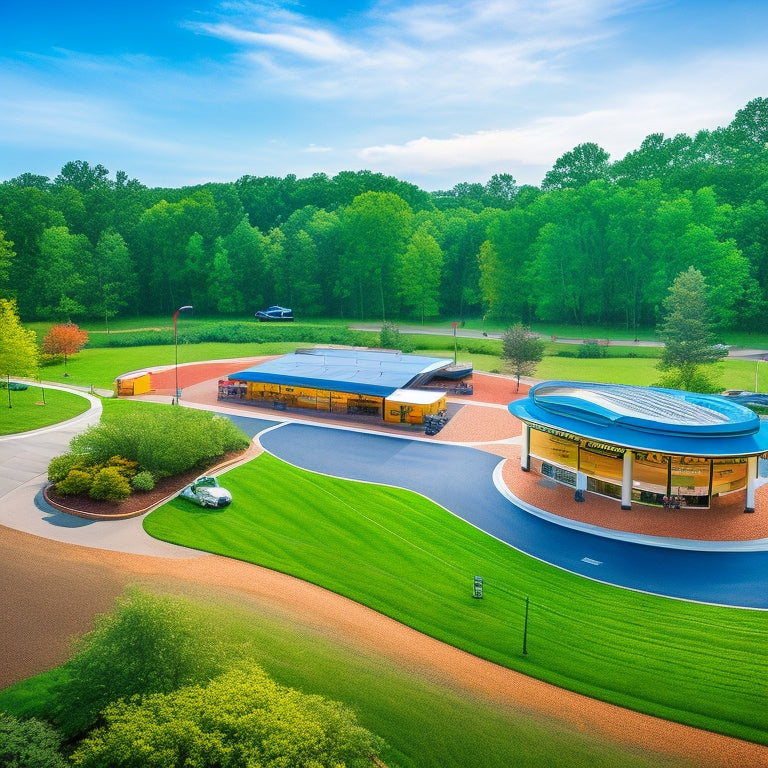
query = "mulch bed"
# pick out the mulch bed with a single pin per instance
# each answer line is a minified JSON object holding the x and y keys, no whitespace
{"x":138,"y":502}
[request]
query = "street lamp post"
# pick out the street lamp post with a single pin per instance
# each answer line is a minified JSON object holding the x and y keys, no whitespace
{"x":176,"y":349}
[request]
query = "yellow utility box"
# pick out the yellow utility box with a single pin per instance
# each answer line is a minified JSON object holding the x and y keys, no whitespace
{"x":133,"y":384}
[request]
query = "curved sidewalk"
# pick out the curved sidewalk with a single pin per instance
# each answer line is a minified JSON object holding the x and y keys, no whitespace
{"x":24,"y":459}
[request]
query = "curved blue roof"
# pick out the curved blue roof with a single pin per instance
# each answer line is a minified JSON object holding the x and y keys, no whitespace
{"x":645,"y":418}
{"x":372,"y":372}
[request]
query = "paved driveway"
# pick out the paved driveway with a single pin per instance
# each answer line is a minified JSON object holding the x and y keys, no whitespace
{"x":461,"y":480}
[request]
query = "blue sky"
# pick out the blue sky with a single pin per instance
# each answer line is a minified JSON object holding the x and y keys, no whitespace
{"x":177,"y":92}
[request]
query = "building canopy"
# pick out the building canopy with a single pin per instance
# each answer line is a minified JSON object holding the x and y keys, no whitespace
{"x":370,"y":372}
{"x":644,"y":418}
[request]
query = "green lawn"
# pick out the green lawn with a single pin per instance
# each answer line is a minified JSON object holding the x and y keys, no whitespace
{"x":407,"y":558}
{"x":34,"y":408}
{"x":100,"y":367}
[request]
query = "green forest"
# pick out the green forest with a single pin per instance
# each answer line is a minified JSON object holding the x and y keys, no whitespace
{"x":598,"y":243}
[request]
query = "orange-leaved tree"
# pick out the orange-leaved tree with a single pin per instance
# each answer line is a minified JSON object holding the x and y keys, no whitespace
{"x":66,"y":339}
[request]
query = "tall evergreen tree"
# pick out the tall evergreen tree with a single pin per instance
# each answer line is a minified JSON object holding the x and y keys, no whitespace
{"x":686,"y":330}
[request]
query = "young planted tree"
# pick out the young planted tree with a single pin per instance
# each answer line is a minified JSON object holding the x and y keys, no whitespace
{"x":18,"y":346}
{"x":522,"y":351}
{"x":686,"y":331}
{"x":65,"y":339}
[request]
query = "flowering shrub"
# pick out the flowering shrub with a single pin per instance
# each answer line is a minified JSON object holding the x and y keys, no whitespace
{"x":110,"y":485}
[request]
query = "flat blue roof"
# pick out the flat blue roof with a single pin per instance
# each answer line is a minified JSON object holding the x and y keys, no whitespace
{"x":372,"y":372}
{"x":645,"y":418}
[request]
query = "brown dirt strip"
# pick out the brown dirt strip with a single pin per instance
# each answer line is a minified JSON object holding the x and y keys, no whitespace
{"x":52,"y":591}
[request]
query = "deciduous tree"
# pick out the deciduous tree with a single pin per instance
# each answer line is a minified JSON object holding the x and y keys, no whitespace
{"x":419,"y":273}
{"x":18,"y":346}
{"x":522,"y":351}
{"x":65,"y":339}
{"x":148,"y":644}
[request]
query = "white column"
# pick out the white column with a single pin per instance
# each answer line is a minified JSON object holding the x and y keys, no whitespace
{"x":581,"y":486}
{"x":626,"y":480}
{"x":525,"y":449}
{"x":751,"y":482}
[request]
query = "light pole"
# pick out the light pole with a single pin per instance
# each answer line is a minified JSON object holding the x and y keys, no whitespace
{"x":176,"y":349}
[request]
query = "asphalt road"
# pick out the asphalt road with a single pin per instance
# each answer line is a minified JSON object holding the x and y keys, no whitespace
{"x":461,"y":480}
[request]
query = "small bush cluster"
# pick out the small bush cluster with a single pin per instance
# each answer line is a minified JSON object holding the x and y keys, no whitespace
{"x":590,"y":350}
{"x":143,"y":481}
{"x":75,"y":475}
{"x":391,"y":338}
{"x":130,"y":450}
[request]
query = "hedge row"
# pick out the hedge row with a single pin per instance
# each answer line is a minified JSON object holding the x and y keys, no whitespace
{"x":239,"y":333}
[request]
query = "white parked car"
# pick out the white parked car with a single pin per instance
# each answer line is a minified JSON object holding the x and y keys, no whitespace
{"x":206,"y":492}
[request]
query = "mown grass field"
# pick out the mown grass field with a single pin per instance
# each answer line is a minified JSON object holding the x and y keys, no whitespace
{"x":409,"y":559}
{"x":34,"y":408}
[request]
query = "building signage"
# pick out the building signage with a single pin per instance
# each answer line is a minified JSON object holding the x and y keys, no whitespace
{"x":574,"y":438}
{"x":592,"y":445}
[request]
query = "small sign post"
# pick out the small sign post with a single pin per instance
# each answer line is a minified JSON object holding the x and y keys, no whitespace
{"x":525,"y":628}
{"x":478,"y":591}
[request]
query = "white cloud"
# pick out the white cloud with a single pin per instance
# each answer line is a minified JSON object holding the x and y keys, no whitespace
{"x":307,"y":43}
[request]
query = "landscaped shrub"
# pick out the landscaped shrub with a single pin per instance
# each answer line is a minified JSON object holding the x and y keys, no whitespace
{"x":391,"y":338}
{"x":110,"y":485}
{"x":125,"y":467}
{"x":238,"y":332}
{"x":28,"y":743}
{"x":77,"y":481}
{"x":165,"y":441}
{"x":60,"y":466}
{"x":143,"y":481}
{"x":591,"y":350}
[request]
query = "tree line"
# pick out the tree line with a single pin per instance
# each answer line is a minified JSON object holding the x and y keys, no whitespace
{"x":598,"y":242}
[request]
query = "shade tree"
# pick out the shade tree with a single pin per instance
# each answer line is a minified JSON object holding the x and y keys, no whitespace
{"x":19,"y":353}
{"x":522,"y":351}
